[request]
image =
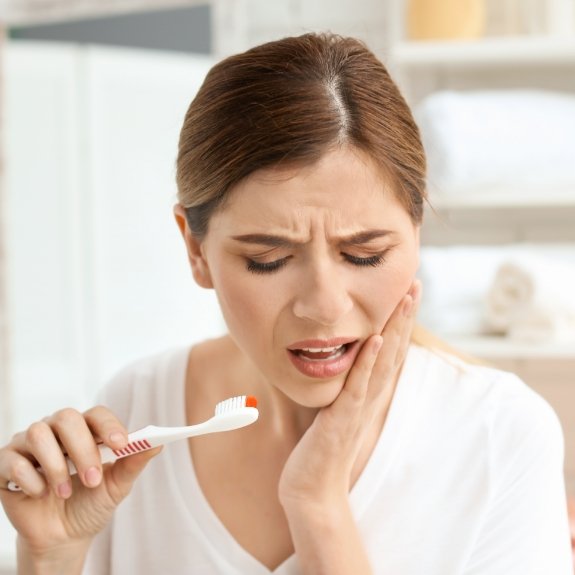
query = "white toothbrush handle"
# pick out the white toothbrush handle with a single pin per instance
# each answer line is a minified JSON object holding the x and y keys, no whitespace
{"x":151,"y":436}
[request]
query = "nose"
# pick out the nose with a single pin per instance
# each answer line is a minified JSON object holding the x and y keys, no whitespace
{"x":323,"y":296}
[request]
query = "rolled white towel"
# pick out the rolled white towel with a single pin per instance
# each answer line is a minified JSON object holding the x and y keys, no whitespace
{"x":532,"y":299}
{"x":455,"y":283}
{"x":457,"y":279}
{"x":478,"y":140}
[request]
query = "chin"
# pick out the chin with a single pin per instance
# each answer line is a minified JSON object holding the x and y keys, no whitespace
{"x":315,"y":395}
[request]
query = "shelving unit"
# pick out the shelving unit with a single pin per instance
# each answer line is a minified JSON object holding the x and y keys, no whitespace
{"x":497,"y":214}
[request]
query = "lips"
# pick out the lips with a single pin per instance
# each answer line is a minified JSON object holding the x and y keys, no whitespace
{"x":323,"y":358}
{"x":321,"y":353}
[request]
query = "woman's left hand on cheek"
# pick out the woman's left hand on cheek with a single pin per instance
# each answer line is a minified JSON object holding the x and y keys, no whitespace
{"x":320,"y":469}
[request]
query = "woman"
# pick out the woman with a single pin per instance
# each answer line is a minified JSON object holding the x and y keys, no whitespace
{"x":301,"y":181}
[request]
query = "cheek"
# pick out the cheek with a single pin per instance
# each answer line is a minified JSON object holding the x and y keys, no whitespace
{"x":235,"y":299}
{"x":248,"y":305}
{"x":393,"y":283}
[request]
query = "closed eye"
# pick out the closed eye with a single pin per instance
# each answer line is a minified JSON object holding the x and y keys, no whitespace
{"x":266,"y":267}
{"x":372,"y":261}
{"x":256,"y":267}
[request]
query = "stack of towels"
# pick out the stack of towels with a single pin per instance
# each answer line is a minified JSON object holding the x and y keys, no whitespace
{"x":524,"y":292}
{"x":485,"y":142}
{"x":479,"y":141}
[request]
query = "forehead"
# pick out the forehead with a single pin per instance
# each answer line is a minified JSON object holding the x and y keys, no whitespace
{"x":344,"y":186}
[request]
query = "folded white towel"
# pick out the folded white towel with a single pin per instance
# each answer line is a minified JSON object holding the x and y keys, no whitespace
{"x":457,"y":280}
{"x":455,"y":283}
{"x":532,"y":299}
{"x":520,"y":139}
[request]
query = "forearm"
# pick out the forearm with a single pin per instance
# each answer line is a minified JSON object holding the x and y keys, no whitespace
{"x":65,"y":562}
{"x":327,"y":540}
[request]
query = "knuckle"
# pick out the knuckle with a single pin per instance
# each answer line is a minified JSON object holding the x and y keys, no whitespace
{"x":357,"y":394}
{"x":37,"y":433}
{"x":65,"y":417}
{"x":17,"y":438}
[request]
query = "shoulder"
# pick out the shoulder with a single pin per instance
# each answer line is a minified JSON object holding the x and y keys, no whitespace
{"x":511,"y":415}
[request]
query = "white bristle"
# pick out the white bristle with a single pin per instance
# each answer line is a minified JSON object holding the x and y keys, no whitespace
{"x":230,"y":404}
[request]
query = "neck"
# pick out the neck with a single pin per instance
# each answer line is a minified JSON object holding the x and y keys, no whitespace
{"x":281,"y":416}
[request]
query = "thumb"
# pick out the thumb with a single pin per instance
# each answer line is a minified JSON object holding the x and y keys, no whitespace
{"x":122,"y":474}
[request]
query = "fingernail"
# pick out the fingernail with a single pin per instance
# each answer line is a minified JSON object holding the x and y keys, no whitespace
{"x":118,"y":438}
{"x":376,"y":344}
{"x":92,"y":477}
{"x":65,"y":489}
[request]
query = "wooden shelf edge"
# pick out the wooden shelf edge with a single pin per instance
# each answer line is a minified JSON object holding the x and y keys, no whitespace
{"x":493,"y":347}
{"x":488,"y":201}
{"x":487,"y":51}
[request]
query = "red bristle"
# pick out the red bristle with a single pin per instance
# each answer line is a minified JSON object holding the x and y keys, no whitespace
{"x":251,"y":401}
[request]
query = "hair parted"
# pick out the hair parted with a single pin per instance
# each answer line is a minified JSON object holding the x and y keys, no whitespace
{"x":288,"y":102}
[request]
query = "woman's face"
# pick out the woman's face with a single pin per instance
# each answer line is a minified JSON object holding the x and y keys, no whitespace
{"x":307,"y":264}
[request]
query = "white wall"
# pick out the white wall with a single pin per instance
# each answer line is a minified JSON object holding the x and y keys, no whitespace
{"x":97,"y":271}
{"x":98,"y":274}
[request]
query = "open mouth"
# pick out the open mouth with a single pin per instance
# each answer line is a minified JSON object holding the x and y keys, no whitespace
{"x":324,"y":359}
{"x":321,"y":353}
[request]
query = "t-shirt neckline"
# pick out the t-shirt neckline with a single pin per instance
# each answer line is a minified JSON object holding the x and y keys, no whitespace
{"x":218,"y":538}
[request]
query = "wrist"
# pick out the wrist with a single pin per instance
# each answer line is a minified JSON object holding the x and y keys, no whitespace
{"x":65,"y":560}
{"x":326,"y":511}
{"x":326,"y":538}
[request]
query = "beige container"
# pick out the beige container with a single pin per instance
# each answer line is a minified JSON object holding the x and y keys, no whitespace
{"x":445,"y":19}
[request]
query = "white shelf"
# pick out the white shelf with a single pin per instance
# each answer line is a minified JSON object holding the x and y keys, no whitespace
{"x":525,"y":50}
{"x":497,"y":214}
{"x":495,"y":198}
{"x":493,"y":347}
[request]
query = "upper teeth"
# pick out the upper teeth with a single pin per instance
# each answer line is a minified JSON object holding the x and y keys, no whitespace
{"x":321,"y":349}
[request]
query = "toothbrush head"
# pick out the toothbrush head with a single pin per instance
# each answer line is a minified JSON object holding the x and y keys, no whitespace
{"x":235,"y":403}
{"x":251,"y":401}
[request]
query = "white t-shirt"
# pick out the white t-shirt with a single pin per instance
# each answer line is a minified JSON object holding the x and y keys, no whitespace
{"x":466,"y":479}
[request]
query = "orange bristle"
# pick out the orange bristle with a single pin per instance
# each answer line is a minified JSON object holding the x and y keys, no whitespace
{"x":251,"y":401}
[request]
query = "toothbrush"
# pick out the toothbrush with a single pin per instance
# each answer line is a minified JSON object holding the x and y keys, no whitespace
{"x":229,"y":414}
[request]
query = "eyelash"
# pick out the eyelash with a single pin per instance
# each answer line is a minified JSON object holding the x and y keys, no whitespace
{"x":266,"y":267}
{"x":271,"y":267}
{"x":372,"y":261}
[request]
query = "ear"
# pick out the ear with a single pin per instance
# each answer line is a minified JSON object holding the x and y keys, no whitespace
{"x":198,"y":263}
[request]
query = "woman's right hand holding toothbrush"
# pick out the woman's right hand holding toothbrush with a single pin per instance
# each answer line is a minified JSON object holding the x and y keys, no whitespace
{"x":56,"y":515}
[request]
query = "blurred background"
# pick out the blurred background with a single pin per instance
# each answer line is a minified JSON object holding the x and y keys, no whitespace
{"x":93,"y":273}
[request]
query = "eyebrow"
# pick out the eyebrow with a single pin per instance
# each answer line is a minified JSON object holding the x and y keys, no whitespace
{"x":284,"y":241}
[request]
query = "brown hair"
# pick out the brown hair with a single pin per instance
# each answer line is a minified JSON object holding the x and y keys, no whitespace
{"x":287,"y":103}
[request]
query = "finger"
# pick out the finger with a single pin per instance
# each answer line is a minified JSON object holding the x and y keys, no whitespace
{"x":79,"y":442}
{"x":120,"y":476}
{"x":396,"y":336}
{"x":410,"y":312}
{"x":78,"y":433}
{"x":354,"y":391}
{"x":20,"y":470}
{"x":105,"y":425}
{"x":43,"y":446}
